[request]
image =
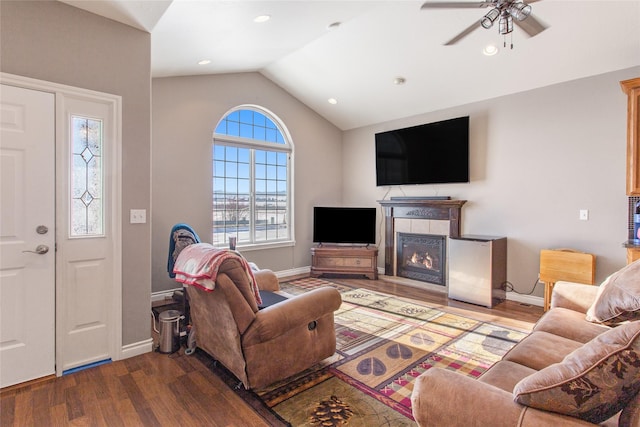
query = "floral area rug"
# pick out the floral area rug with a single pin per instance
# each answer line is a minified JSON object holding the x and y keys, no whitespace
{"x":383,"y":343}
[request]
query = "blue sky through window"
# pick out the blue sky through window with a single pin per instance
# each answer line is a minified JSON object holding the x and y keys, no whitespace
{"x":250,"y":124}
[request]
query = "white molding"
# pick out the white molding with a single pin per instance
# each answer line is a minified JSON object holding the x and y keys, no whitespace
{"x":136,"y":349}
{"x":292,"y":272}
{"x":163,"y":295}
{"x":526,"y":299}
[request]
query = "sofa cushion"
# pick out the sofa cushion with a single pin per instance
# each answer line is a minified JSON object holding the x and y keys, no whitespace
{"x":569,"y":324}
{"x":505,"y":375}
{"x":541,"y":349}
{"x":618,"y":297}
{"x":594,"y":382}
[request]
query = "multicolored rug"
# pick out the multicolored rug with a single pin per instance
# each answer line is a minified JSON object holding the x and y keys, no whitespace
{"x":383,"y":343}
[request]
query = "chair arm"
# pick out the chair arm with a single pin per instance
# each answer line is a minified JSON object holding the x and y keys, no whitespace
{"x":266,"y":280}
{"x":300,"y":310}
{"x":574,"y":296}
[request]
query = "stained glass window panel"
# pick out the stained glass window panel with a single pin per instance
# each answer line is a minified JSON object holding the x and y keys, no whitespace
{"x":86,"y":210}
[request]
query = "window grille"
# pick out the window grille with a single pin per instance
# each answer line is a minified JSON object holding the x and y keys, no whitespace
{"x":251,"y":179}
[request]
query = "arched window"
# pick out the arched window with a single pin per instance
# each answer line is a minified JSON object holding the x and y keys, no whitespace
{"x":252,"y":162}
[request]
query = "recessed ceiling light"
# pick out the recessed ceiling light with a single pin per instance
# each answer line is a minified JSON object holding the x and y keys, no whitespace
{"x":399,"y":81}
{"x":204,"y":62}
{"x":490,"y":50}
{"x":332,"y":101}
{"x":261,"y":18}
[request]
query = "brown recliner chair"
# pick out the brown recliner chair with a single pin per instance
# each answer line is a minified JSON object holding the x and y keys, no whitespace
{"x":263,"y":346}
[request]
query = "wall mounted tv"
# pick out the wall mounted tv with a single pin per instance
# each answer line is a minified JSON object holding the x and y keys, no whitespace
{"x":433,"y":153}
{"x":344,"y":225}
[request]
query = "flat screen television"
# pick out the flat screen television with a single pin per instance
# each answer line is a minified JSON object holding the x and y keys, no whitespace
{"x":433,"y":153}
{"x":344,"y":225}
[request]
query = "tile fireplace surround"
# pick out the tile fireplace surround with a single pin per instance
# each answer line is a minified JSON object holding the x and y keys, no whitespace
{"x":442,"y":216}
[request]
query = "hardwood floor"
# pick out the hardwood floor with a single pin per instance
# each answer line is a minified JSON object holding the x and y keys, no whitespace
{"x":168,"y":390}
{"x":149,"y":390}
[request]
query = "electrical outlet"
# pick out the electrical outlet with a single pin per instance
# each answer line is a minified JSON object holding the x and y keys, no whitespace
{"x":584,"y":214}
{"x":137,"y":216}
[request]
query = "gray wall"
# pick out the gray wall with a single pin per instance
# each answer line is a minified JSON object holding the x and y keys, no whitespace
{"x":185,"y":113}
{"x":537,"y":158}
{"x":52,"y":41}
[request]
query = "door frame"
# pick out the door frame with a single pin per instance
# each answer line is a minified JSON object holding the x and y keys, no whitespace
{"x":114,"y":102}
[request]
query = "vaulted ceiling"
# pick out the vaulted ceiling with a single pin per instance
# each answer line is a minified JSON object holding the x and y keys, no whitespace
{"x":354,"y":51}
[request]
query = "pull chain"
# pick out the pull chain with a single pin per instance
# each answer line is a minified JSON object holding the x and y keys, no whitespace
{"x":504,"y":41}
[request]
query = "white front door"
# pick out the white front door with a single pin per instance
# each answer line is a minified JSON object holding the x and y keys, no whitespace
{"x":27,"y":235}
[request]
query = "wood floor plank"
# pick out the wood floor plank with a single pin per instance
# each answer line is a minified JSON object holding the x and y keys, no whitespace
{"x":127,"y":412}
{"x":23,"y":408}
{"x":109,"y":412}
{"x":7,"y":409}
{"x":170,"y":411}
{"x":58,"y":415}
{"x":140,"y":404}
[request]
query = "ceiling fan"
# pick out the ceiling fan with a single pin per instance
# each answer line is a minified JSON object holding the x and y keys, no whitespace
{"x":506,"y":12}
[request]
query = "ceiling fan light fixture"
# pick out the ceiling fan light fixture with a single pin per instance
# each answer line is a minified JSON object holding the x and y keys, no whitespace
{"x":520,"y":11}
{"x":488,"y":19}
{"x":506,"y":24}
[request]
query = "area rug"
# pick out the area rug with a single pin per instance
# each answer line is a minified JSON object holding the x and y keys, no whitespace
{"x":383,"y":343}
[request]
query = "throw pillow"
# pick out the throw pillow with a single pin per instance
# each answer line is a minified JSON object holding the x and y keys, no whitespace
{"x":594,"y":382}
{"x":618,"y":298}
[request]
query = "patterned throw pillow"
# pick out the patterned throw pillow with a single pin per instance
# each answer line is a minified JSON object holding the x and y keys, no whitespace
{"x":618,"y":298}
{"x":593,"y":382}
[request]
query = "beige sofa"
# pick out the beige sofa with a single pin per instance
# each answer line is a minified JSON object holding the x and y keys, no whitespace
{"x":580,"y":366}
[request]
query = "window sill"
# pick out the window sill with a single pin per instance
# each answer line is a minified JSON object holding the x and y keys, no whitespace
{"x":260,"y":246}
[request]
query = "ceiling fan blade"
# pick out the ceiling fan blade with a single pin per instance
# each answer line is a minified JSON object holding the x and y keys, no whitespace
{"x":531,"y":26}
{"x":456,"y":4}
{"x":463,"y":34}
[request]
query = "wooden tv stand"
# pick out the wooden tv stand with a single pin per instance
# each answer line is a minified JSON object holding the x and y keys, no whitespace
{"x":344,"y":260}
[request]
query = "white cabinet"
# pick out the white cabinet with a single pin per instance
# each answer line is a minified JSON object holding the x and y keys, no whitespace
{"x":478,"y":269}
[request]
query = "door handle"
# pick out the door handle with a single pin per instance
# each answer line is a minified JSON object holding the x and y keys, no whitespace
{"x":40,"y":250}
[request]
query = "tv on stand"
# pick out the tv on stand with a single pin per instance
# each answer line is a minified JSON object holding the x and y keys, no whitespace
{"x":344,"y":236}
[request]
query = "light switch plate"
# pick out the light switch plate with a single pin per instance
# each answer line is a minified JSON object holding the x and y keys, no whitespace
{"x":584,"y":214}
{"x":138,"y":216}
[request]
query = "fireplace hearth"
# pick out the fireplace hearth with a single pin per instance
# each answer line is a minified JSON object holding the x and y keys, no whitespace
{"x":422,"y":257}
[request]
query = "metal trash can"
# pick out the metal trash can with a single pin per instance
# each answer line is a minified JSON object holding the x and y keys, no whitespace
{"x":169,"y":331}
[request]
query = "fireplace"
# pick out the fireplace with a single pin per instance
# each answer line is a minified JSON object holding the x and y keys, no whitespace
{"x":430,"y":210}
{"x":422,"y":257}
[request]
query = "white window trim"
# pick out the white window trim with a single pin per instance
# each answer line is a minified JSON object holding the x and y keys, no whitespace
{"x":287,"y":147}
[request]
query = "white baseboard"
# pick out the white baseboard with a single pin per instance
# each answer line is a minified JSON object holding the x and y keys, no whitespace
{"x":163,"y":295}
{"x":136,"y":349}
{"x":292,"y":272}
{"x":526,"y":299}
